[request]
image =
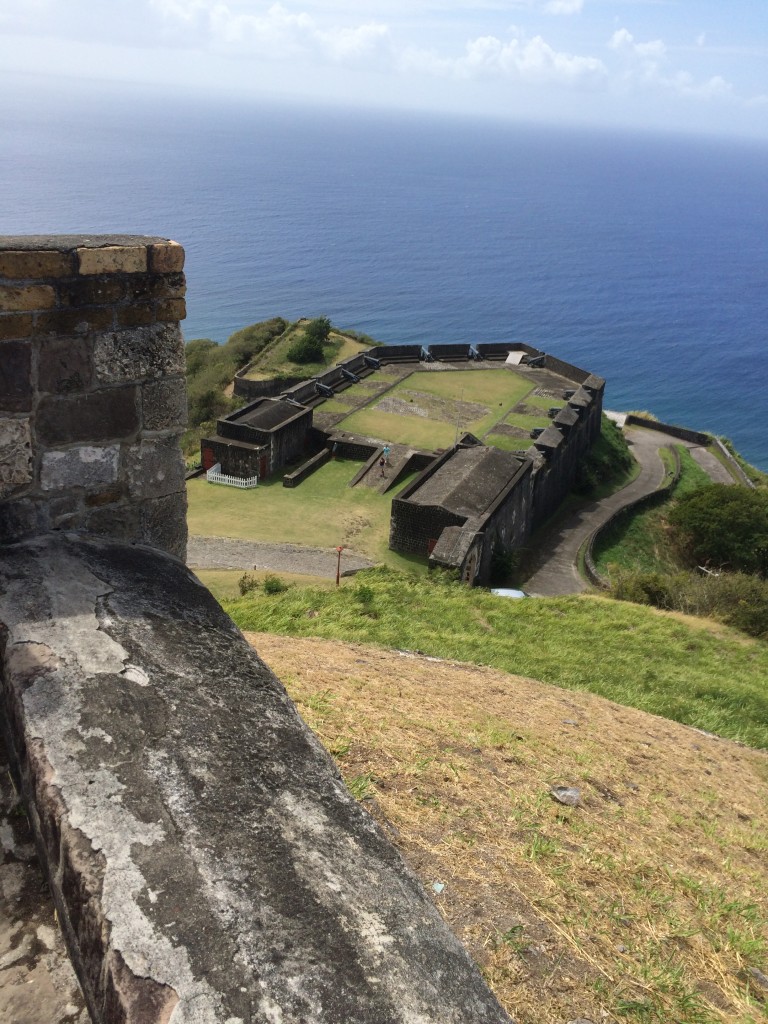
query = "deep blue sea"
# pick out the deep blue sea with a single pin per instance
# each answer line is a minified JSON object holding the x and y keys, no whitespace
{"x":641,"y":258}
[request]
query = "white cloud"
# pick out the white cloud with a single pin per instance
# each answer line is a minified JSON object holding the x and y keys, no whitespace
{"x":277,"y":32}
{"x":530,"y":60}
{"x":564,"y":6}
{"x":648,"y":63}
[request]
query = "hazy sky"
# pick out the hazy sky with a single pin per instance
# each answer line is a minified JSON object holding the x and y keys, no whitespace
{"x":698,"y":65}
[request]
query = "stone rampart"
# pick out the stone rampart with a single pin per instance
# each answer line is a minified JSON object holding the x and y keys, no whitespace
{"x":692,"y":436}
{"x":92,"y":392}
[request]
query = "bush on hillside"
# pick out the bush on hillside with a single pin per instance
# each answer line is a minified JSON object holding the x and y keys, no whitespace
{"x":723,"y":525}
{"x":737,"y":599}
{"x":308,"y":348}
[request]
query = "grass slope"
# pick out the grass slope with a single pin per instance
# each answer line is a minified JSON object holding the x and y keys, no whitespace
{"x":635,"y":656}
{"x":640,"y":540}
{"x":644,"y":904}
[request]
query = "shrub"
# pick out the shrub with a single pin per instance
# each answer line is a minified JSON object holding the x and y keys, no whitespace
{"x":309,"y":347}
{"x":723,"y":525}
{"x":304,"y":350}
{"x":247,"y":583}
{"x":274,"y":585}
{"x":737,"y":599}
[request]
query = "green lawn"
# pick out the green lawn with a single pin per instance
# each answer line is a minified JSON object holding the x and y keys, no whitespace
{"x":416,"y":431}
{"x":322,"y":512}
{"x":495,"y":391}
{"x":628,"y":653}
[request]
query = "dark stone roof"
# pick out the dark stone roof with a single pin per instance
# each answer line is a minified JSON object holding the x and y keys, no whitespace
{"x":269,"y":414}
{"x":469,"y":481}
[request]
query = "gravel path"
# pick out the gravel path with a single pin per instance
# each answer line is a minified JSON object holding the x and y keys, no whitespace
{"x":555,"y":571}
{"x":226,"y":553}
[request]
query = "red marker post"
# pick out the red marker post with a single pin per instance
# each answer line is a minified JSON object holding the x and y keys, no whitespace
{"x":338,"y":563}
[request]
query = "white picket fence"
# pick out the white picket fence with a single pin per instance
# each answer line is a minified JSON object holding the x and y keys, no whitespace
{"x":215,"y":476}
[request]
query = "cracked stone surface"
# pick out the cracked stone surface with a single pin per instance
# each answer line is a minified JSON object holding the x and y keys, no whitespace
{"x":208,"y":862}
{"x":37,"y":983}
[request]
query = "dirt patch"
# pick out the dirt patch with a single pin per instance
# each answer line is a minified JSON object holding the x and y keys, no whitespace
{"x":227,"y":553}
{"x":646,"y":902}
{"x":431,"y":407}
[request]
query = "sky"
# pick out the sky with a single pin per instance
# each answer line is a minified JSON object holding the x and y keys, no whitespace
{"x":671,"y":65}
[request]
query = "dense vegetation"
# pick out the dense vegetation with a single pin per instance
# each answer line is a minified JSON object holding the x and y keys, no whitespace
{"x":630,"y":655}
{"x":724,"y":526}
{"x":702,"y":551}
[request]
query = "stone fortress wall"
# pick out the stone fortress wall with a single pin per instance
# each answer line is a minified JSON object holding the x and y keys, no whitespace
{"x":530,"y":489}
{"x":92,"y":390}
{"x":207,"y":863}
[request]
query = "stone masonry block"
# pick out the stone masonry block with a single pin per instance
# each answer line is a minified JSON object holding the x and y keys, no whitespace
{"x":166,"y":258}
{"x":15,"y":376}
{"x":15,"y":325}
{"x":88,"y":467}
{"x":136,"y":314}
{"x":75,"y":321}
{"x":113,"y":259}
{"x":22,"y":266}
{"x":154,"y":351}
{"x":164,"y":404}
{"x":93,"y":291}
{"x":155,"y":286}
{"x":120,"y":522}
{"x":153,"y":468}
{"x":108,"y":415}
{"x":172,"y":310}
{"x":64,"y":366}
{"x":65,"y":511}
{"x":27,"y":297}
{"x":23,"y":518}
{"x":15,"y":455}
{"x":164,"y":523}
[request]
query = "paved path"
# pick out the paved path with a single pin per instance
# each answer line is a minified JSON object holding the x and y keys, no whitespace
{"x":555,"y":572}
{"x":713,"y":467}
{"x":226,"y":553}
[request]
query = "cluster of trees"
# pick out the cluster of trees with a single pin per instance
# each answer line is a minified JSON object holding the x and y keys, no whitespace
{"x":725,"y":527}
{"x":308,"y":347}
{"x":721,"y":529}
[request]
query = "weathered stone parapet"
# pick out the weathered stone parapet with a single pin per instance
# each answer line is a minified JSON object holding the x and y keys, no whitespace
{"x":208,"y":864}
{"x":92,"y":391}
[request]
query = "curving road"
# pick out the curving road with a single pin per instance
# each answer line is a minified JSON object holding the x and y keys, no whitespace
{"x":555,"y":570}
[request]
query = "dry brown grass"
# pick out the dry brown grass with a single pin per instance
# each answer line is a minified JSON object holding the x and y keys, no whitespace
{"x":647,"y":903}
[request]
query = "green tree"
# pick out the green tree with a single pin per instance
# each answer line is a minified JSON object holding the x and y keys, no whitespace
{"x":724,"y":525}
{"x":308,"y":348}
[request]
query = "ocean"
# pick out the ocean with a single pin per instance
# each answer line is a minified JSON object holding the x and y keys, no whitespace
{"x":643,"y":258}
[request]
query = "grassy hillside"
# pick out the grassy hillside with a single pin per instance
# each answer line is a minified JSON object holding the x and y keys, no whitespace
{"x":645,"y":903}
{"x":692,"y":672}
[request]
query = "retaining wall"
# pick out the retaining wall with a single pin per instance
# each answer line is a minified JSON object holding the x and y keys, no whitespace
{"x":694,"y":436}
